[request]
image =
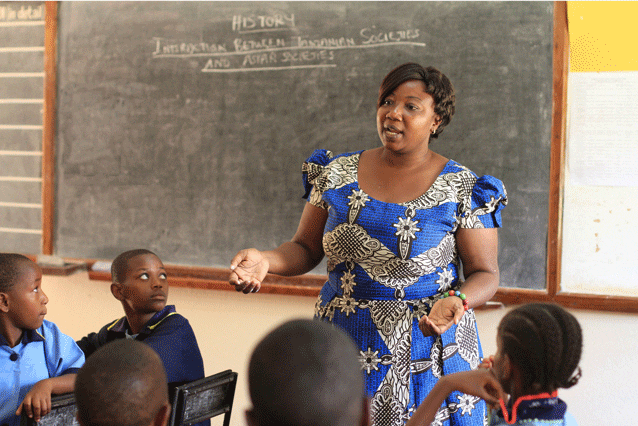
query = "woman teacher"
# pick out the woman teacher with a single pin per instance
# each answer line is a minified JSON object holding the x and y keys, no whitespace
{"x":396,"y":223}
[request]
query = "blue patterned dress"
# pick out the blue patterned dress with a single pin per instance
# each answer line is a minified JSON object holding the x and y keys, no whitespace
{"x":387,"y":265}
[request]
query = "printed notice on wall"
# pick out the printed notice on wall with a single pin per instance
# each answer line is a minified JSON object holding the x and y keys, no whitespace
{"x":603,"y":129}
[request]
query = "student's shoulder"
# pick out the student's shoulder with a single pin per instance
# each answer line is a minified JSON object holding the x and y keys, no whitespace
{"x":570,"y":420}
{"x":48,"y":325}
{"x":117,"y":326}
{"x":56,"y":343}
{"x":168,"y":318}
{"x":173,"y":328}
{"x":48,"y":329}
{"x":174,"y":319}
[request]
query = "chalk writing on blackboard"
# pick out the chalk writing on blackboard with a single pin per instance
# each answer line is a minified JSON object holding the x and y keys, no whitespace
{"x":260,"y":23}
{"x":202,"y":158}
{"x":16,"y":12}
{"x":288,"y":51}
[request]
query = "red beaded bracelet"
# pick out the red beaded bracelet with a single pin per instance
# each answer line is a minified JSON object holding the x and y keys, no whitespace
{"x":460,"y":295}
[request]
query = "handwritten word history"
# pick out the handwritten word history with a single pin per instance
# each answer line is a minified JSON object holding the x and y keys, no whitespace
{"x":262,"y":22}
{"x":250,"y":51}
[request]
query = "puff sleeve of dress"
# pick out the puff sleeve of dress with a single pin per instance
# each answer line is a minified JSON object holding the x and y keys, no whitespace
{"x":314,"y":178}
{"x":481,"y":208}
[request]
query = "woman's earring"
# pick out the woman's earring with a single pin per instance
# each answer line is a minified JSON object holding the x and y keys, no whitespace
{"x":433,"y":131}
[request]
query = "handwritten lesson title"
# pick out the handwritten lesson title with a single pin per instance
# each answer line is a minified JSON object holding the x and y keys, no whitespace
{"x":253,"y":48}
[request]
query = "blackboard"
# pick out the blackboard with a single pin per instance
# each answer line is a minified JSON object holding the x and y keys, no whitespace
{"x":21,"y":99}
{"x":182,"y":127}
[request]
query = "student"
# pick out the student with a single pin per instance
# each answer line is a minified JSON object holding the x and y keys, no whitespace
{"x":306,"y":373}
{"x":103,"y":388}
{"x":140,"y":284}
{"x":36,"y":359}
{"x":538,"y":351}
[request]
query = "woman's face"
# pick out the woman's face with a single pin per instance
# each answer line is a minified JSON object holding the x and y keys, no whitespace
{"x":406,"y":118}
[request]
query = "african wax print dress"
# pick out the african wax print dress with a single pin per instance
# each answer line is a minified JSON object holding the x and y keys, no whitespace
{"x":387,"y":265}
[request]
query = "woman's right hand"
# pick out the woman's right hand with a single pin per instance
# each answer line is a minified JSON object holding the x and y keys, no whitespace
{"x":248,"y":269}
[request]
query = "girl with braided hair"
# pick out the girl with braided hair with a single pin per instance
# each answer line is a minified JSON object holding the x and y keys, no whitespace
{"x":539,"y":347}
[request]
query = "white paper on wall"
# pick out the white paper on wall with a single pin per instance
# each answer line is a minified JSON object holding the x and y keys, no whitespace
{"x":603,"y":129}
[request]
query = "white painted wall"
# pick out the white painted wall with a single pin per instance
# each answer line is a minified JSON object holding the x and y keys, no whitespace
{"x":228,"y":325}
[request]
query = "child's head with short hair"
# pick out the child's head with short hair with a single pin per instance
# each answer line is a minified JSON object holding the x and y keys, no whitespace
{"x":22,"y":301}
{"x":139,"y":281}
{"x":120,"y":265}
{"x":544,"y":342}
{"x":122,"y":384}
{"x":306,"y":373}
{"x":10,"y":269}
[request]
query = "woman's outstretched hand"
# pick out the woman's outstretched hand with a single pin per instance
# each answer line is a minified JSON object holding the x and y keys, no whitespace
{"x":445,"y":312}
{"x":247,"y":270}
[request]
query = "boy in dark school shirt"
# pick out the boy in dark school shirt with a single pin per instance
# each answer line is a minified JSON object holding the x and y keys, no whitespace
{"x":36,"y":359}
{"x":103,"y":387}
{"x":140,"y":284}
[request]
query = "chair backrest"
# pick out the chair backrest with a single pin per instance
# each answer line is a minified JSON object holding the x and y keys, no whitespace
{"x":62,"y":413}
{"x":203,"y":399}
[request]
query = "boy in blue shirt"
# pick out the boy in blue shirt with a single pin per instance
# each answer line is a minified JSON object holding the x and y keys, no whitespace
{"x":36,"y":359}
{"x":140,"y":284}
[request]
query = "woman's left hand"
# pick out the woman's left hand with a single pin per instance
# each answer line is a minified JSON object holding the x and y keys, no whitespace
{"x":445,"y":312}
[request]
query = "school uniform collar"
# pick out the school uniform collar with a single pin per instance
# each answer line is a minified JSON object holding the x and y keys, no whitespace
{"x":543,"y":406}
{"x":28,"y":336}
{"x":121,"y":325}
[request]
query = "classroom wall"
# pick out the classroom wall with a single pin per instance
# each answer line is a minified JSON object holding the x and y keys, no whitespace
{"x":228,"y":325}
{"x":599,"y":238}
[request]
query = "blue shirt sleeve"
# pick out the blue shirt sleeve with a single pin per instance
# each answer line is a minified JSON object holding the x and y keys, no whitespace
{"x":63,"y":355}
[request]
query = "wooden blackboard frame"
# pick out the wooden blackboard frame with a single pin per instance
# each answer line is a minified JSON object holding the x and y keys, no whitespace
{"x":49,"y":118}
{"x":309,"y":285}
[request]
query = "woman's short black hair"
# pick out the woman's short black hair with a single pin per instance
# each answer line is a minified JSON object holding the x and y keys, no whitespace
{"x":545,"y":342}
{"x":436,"y":84}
